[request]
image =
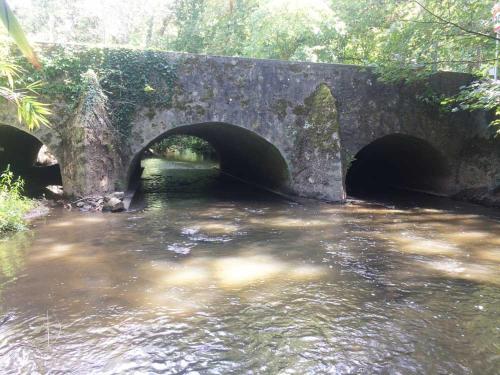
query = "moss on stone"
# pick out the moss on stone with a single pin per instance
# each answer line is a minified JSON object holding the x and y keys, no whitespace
{"x":150,"y":114}
{"x":208,"y":95}
{"x":322,"y":108}
{"x":279,"y":107}
{"x":296,"y":68}
{"x":300,"y":110}
{"x":321,"y":124}
{"x":244,"y":102}
{"x":124,"y":74}
{"x":200,"y":110}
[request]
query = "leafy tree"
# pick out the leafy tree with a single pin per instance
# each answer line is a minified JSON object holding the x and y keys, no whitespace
{"x":288,"y":30}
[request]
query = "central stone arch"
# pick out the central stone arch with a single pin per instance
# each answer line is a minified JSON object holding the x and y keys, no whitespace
{"x":242,"y":153}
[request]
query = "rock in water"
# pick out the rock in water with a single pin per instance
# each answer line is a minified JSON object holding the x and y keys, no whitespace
{"x":117,"y":194}
{"x":113,"y":205}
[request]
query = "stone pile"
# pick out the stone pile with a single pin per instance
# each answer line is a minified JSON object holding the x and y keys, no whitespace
{"x":112,"y":202}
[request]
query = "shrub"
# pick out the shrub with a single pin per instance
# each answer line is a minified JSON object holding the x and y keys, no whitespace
{"x":13,"y":205}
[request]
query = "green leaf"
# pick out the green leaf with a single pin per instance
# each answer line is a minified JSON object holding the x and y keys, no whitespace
{"x":16,"y":32}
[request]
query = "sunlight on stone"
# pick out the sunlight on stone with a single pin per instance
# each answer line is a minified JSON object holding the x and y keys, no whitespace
{"x":55,"y":189}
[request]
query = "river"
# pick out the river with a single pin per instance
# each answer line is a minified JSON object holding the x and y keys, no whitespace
{"x":210,"y":276}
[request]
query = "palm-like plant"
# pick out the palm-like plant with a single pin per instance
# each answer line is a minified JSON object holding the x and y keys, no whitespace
{"x":30,"y":111}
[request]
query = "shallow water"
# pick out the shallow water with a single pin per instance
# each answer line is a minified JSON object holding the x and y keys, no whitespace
{"x":216,"y":277}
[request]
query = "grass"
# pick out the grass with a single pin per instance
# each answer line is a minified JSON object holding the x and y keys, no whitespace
{"x":13,"y":205}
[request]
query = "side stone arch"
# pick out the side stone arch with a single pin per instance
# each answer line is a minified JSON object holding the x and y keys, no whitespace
{"x":398,"y":161}
{"x":20,"y":147}
{"x":397,"y":111}
{"x":45,"y":135}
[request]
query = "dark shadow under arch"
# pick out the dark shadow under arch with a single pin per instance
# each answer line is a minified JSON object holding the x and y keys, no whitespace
{"x":242,"y":153}
{"x":397,"y":161}
{"x":19,"y":149}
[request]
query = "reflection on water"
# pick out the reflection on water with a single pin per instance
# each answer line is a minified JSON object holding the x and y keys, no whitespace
{"x":216,"y":277}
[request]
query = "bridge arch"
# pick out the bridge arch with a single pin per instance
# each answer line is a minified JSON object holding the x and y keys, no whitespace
{"x":242,"y":153}
{"x":398,"y":161}
{"x":20,"y":150}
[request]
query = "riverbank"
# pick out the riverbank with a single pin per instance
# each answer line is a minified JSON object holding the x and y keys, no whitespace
{"x":17,"y":213}
{"x":41,"y":208}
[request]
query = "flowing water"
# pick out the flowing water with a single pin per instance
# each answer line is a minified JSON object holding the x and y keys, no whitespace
{"x":215,"y":277}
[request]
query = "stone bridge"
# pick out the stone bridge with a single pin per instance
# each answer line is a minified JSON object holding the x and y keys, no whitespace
{"x":305,"y":129}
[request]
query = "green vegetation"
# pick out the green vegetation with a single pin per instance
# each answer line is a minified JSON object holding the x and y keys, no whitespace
{"x":130,"y":78}
{"x":13,"y":205}
{"x":479,"y":95}
{"x":321,"y":118}
{"x":182,"y":143}
{"x":16,"y":32}
{"x":428,"y":34}
{"x":30,"y":111}
{"x":12,"y":257}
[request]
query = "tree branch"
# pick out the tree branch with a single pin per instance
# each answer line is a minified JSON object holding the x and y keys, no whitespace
{"x":455,"y":24}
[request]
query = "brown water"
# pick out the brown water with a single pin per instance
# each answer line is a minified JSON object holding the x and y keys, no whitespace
{"x":216,"y":278}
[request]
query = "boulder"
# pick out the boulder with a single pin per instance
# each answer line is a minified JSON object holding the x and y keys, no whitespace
{"x":113,"y":204}
{"x":118,"y":194}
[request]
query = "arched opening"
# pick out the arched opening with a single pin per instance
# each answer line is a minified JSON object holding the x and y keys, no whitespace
{"x":397,"y":162}
{"x":237,"y":152}
{"x":30,"y":159}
